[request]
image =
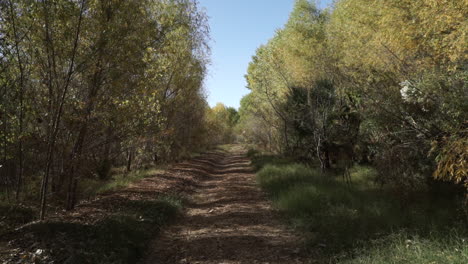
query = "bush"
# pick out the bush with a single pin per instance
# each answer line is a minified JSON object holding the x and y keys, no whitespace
{"x":341,"y":218}
{"x":260,"y":161}
{"x":252,"y":152}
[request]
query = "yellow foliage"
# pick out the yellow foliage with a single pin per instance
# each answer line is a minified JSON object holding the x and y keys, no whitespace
{"x":453,"y":161}
{"x":401,"y":35}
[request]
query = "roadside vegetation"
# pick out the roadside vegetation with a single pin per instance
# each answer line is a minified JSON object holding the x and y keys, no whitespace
{"x":362,"y":110}
{"x":364,"y":222}
{"x":89,"y":86}
{"x":118,"y":231}
{"x":121,"y":179}
{"x":95,"y":95}
{"x":122,"y":236}
{"x":367,"y":103}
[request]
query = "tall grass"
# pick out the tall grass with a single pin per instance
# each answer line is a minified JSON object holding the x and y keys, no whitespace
{"x":403,"y":248}
{"x":343,"y":221}
{"x":121,"y":179}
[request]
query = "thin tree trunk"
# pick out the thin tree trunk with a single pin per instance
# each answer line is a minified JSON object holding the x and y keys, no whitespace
{"x":129,"y":160}
{"x":75,"y":161}
{"x":71,"y":191}
{"x":155,"y":157}
{"x":5,"y":144}
{"x":75,"y":158}
{"x":323,"y":155}
{"x":58,"y":113}
{"x":286,"y":138}
{"x":19,"y":180}
{"x":106,"y":162}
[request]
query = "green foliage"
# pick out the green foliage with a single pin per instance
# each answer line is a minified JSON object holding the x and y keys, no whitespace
{"x":341,"y":219}
{"x":251,"y":128}
{"x":91,"y":187}
{"x":119,"y":238}
{"x":260,"y":161}
{"x":404,"y":248}
{"x":91,"y":85}
{"x":384,"y":80}
{"x":251,"y":153}
{"x":221,"y":121}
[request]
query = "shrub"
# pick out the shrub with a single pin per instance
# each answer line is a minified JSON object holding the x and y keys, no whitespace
{"x":342,"y":218}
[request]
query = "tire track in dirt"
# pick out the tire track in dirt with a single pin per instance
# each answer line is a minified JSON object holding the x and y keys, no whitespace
{"x":228,"y":219}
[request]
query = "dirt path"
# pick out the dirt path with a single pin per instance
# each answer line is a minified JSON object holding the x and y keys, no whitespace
{"x":229,"y":219}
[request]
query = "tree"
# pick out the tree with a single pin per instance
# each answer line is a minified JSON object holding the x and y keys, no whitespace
{"x":88,"y":85}
{"x":386,"y":80}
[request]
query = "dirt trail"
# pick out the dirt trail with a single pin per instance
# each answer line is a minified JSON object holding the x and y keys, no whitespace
{"x":228,"y":220}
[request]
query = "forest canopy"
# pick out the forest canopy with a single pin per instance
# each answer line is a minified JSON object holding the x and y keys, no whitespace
{"x":88,"y":85}
{"x":376,"y":82}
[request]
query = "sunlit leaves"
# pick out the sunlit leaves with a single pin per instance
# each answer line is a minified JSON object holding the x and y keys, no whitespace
{"x":452,"y":161}
{"x":398,"y":66}
{"x":120,"y":76}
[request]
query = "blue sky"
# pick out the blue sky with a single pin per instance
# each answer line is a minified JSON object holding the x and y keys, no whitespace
{"x":238,"y":28}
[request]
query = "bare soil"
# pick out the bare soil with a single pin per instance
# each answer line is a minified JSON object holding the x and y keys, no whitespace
{"x":228,"y":219}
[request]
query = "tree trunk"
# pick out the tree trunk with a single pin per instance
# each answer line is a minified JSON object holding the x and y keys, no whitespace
{"x":75,"y":156}
{"x":286,"y":138}
{"x":19,"y":180}
{"x":323,"y":155}
{"x":71,"y":192}
{"x":3,"y":169}
{"x":155,"y":157}
{"x":106,"y":163}
{"x":129,"y":160}
{"x":56,"y":117}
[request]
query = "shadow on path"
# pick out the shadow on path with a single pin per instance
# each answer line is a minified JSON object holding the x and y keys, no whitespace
{"x":228,"y":219}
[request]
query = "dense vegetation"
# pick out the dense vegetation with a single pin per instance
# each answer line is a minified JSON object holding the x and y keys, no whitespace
{"x":121,"y":237}
{"x":91,"y":85}
{"x":364,"y":223}
{"x":377,"y":82}
{"x":362,"y":109}
{"x":366,"y":103}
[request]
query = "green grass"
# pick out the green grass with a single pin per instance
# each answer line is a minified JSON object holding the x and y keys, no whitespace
{"x":125,"y":179}
{"x":343,"y":222}
{"x":224,"y":148}
{"x":402,"y":248}
{"x":121,"y":237}
{"x":91,"y":187}
{"x":260,"y":161}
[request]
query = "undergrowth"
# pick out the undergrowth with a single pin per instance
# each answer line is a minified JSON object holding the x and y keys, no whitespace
{"x":122,"y":237}
{"x":13,"y":215}
{"x":403,"y":248}
{"x":89,"y":188}
{"x":362,"y":222}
